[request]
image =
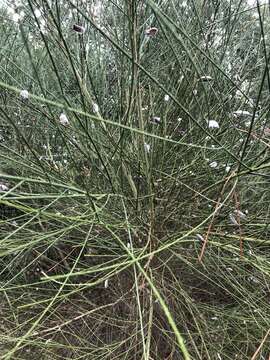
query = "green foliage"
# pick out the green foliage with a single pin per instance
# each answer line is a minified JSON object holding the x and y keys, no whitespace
{"x":134,"y":177}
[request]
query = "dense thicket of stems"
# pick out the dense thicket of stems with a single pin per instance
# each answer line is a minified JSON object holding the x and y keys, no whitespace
{"x":134,"y":179}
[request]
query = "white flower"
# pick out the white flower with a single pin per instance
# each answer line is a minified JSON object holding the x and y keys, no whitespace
{"x":37,"y":12}
{"x":166,"y":97}
{"x":254,"y":279}
{"x":16,"y":17}
{"x":24,"y":94}
{"x":206,"y":78}
{"x":213,"y":124}
{"x":241,"y":113}
{"x":63,"y":119}
{"x":213,"y":164}
{"x":155,"y":120}
{"x":106,"y":283}
{"x":3,"y":187}
{"x":238,"y":94}
{"x":179,"y":119}
{"x":95,"y":108}
{"x":147,"y":147}
{"x":228,"y":168}
{"x":240,"y":214}
{"x":151,"y":31}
